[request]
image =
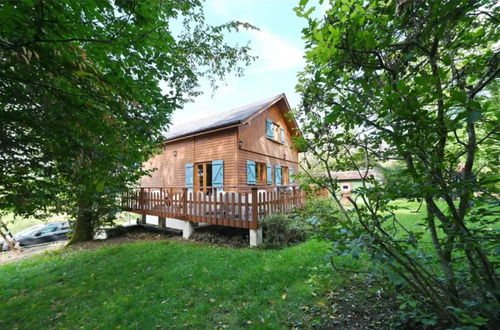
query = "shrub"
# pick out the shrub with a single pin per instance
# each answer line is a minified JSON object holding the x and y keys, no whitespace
{"x":282,"y":230}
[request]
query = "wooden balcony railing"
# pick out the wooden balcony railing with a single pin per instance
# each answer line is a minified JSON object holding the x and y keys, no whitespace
{"x":232,"y":206}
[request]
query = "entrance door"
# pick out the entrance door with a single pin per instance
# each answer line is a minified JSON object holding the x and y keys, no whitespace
{"x":203,"y":179}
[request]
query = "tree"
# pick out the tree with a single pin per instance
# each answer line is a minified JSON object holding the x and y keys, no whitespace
{"x":81,"y":103}
{"x":407,"y":80}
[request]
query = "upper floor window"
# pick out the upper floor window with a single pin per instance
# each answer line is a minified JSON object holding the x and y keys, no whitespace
{"x":275,"y":132}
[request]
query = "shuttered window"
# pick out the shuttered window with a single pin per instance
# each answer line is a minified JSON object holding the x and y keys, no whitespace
{"x":291,"y":175}
{"x":251,"y":172}
{"x":217,"y":173}
{"x":188,"y":174}
{"x":275,"y":132}
{"x":269,"y":174}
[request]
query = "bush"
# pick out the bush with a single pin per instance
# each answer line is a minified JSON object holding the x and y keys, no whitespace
{"x":282,"y":230}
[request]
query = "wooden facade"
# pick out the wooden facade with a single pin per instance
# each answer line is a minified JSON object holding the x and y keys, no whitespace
{"x":253,"y":153}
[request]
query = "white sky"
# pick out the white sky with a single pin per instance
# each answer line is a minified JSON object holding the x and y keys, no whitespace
{"x":278,"y":45}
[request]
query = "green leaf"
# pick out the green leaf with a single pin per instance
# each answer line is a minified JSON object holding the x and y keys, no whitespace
{"x":474,"y":116}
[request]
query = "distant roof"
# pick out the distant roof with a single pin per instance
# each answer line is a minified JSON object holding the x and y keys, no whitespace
{"x":220,"y":120}
{"x":354,"y":175}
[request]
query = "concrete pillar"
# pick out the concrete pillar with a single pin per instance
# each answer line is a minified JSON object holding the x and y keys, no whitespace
{"x":161,"y":222}
{"x":188,"y":229}
{"x":255,"y":237}
{"x":143,"y":219}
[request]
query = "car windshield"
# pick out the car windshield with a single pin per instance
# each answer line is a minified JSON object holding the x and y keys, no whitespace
{"x":50,"y":228}
{"x":30,"y":230}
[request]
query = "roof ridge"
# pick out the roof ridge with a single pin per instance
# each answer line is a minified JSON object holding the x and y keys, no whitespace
{"x":222,"y":119}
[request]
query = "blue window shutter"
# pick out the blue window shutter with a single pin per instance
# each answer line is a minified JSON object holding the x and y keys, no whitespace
{"x":277,"y":174}
{"x":282,"y":133}
{"x":269,"y":129}
{"x":217,"y":173}
{"x":189,"y":174}
{"x":250,"y":172}
{"x":269,"y":174}
{"x":291,"y":174}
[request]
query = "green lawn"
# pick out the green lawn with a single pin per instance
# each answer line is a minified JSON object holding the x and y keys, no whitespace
{"x":409,"y":217}
{"x":16,"y":224}
{"x":163,"y":284}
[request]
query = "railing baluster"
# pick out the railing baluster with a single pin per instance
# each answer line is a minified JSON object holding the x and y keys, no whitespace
{"x":226,"y":209}
{"x":237,"y":208}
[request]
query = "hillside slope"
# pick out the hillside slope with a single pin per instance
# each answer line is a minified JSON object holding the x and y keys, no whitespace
{"x":159,"y":285}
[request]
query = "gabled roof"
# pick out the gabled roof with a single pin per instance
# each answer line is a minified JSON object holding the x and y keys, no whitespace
{"x":220,"y":120}
{"x":354,"y":175}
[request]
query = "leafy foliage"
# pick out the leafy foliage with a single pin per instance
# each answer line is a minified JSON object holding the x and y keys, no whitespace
{"x":81,"y":103}
{"x":281,"y":230}
{"x":399,"y":179}
{"x":412,"y":81}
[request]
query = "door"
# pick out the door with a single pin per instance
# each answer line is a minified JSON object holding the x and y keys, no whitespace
{"x":203,"y":177}
{"x":47,"y":234}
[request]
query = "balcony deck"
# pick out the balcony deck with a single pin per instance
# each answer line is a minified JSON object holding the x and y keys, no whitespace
{"x":232,"y":206}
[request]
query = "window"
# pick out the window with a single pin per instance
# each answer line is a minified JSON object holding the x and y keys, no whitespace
{"x":203,"y":176}
{"x":49,"y":229}
{"x":275,"y":132}
{"x":285,"y":177}
{"x":345,"y":187}
{"x":261,"y":173}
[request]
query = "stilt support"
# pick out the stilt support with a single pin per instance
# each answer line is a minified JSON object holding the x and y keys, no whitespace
{"x":161,"y":223}
{"x":255,"y":237}
{"x":188,"y":229}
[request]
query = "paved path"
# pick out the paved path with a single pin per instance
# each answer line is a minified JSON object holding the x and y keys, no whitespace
{"x":28,"y":251}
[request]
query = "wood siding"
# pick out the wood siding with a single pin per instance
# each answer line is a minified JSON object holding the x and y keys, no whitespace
{"x":244,"y":155}
{"x":253,"y":135}
{"x":224,"y":145}
{"x":169,"y":169}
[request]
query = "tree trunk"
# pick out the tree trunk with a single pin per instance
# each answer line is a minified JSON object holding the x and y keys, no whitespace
{"x":84,"y":228}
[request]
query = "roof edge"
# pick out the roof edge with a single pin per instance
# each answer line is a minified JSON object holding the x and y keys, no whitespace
{"x":276,"y":99}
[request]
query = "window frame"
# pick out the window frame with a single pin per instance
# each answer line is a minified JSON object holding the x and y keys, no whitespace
{"x":53,"y":226}
{"x":206,"y":186}
{"x":260,"y":173}
{"x":285,"y":176}
{"x":277,"y":127}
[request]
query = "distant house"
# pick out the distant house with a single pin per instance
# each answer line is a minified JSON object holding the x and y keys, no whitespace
{"x":231,"y":169}
{"x":349,"y":181}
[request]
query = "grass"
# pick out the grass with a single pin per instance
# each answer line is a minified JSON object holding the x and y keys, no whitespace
{"x":163,"y":284}
{"x":17,"y":223}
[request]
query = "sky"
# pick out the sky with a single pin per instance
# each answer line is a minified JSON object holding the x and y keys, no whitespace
{"x":278,"y":44}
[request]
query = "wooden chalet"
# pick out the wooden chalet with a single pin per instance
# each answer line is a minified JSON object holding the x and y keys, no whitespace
{"x":230,"y":169}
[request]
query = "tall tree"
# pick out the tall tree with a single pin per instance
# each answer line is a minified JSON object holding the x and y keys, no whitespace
{"x":81,"y":103}
{"x":406,"y":80}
